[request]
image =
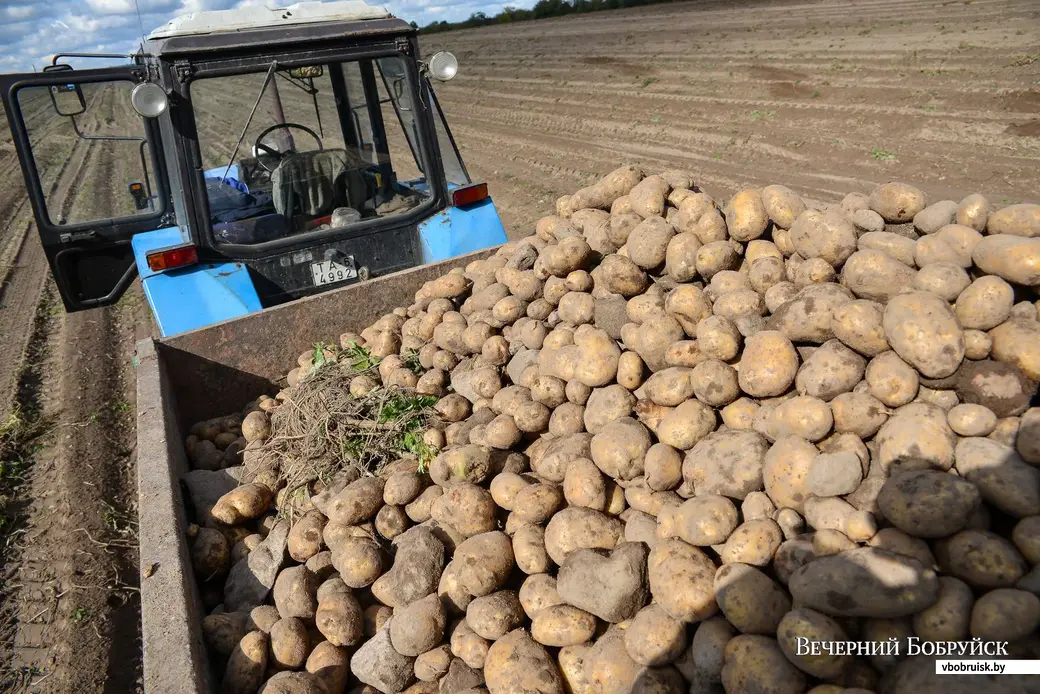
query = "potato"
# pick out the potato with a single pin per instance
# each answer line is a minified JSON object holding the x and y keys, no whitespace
{"x":985,"y":304}
{"x":663,"y":467}
{"x":568,"y":255}
{"x":749,"y":599}
{"x":706,"y":519}
{"x":562,"y":625}
{"x":782,"y":205}
{"x":813,"y":271}
{"x":829,"y":236}
{"x":295,"y":593}
{"x":418,"y":511}
{"x":577,"y":527}
{"x":681,"y":580}
{"x":339,"y":617}
{"x":754,"y":542}
{"x":971,"y":420}
{"x":483,"y":562}
{"x":529,"y":549}
{"x":210,"y":554}
{"x":1012,"y":258}
{"x":769,"y":364}
{"x":801,"y":624}
{"x":803,"y":416}
{"x":223,"y":631}
{"x":1015,"y":220}
{"x":647,"y":198}
{"x":891,"y":380}
{"x":358,"y":502}
{"x":433,"y":664}
{"x":358,"y":561}
{"x":928,"y":503}
{"x":1005,"y":614}
{"x":924,"y":332}
{"x":468,"y":646}
{"x":875,"y":275}
{"x":622,"y":276}
{"x":981,"y":558}
{"x":537,"y":593}
{"x":536,"y":503}
{"x":864,"y":582}
{"x":467,"y":508}
{"x":746,"y":216}
{"x":830,"y":371}
{"x":517,"y":663}
{"x":897,"y":203}
{"x":247,"y":665}
{"x":648,"y":243}
{"x":290,"y":643}
{"x":715,"y":257}
{"x":654,"y":638}
{"x":458,"y":465}
{"x":620,"y":447}
{"x":948,"y":618}
{"x":1003,"y":478}
{"x":241,"y":504}
{"x":584,"y":485}
{"x":756,"y":663}
{"x":680,"y":259}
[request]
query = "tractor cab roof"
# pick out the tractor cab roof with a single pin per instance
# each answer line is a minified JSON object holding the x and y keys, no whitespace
{"x":224,"y":30}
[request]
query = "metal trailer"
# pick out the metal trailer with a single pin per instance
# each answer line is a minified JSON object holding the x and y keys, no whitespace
{"x":335,"y":164}
{"x":207,"y":373}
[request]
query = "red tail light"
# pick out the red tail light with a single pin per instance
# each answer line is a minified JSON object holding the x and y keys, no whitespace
{"x":170,"y":258}
{"x":460,"y":197}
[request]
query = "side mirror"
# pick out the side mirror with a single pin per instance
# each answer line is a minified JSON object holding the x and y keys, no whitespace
{"x":67,"y":99}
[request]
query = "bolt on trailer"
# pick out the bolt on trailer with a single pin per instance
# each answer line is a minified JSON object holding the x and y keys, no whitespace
{"x":243,"y":159}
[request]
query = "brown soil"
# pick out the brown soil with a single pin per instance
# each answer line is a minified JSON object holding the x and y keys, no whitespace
{"x":812,"y":95}
{"x":826,"y":98}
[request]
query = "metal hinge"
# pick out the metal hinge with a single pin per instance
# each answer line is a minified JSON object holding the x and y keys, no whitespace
{"x":184,"y":70}
{"x":74,"y":236}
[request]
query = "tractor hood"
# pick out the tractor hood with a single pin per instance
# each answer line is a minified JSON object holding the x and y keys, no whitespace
{"x":246,"y":18}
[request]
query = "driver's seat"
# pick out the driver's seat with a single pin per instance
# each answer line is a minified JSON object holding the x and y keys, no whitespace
{"x":315,"y":183}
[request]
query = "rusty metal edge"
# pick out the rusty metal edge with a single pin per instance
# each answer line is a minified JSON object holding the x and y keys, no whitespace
{"x":174,"y":659}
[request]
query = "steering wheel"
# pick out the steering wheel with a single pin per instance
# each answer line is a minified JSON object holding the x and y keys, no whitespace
{"x":277,"y":156}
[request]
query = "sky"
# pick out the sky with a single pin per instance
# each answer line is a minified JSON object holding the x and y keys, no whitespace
{"x":31,"y":31}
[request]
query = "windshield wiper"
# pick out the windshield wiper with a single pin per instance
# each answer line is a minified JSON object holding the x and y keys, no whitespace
{"x":267,"y":80}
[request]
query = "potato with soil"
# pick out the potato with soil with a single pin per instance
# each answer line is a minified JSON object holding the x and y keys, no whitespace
{"x":858,"y":325}
{"x":1011,"y":258}
{"x":727,"y":463}
{"x":517,"y":663}
{"x":754,"y":542}
{"x":562,"y":625}
{"x":897,"y":203}
{"x":483,"y":562}
{"x":242,"y":503}
{"x":617,"y":183}
{"x":746,"y":215}
{"x":576,"y":527}
{"x":1005,"y":614}
{"x":682,"y":581}
{"x":830,"y":371}
{"x":247,"y":665}
{"x":756,"y":663}
{"x":924,"y":331}
{"x":648,"y":243}
{"x":985,"y":304}
{"x":981,"y":559}
{"x":928,"y":503}
{"x":654,"y":637}
{"x":749,"y":599}
{"x":707,"y":519}
{"x":802,"y":623}
{"x":826,"y":235}
{"x":769,"y":364}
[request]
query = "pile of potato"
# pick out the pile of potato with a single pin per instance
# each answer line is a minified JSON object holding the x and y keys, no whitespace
{"x":674,"y":439}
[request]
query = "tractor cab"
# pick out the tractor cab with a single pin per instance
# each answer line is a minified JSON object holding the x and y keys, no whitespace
{"x":245,"y":158}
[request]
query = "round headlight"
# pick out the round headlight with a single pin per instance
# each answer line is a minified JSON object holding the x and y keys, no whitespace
{"x":149,"y":100}
{"x":444,"y":66}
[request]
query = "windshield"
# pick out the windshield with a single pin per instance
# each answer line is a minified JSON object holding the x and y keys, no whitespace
{"x":303,"y":150}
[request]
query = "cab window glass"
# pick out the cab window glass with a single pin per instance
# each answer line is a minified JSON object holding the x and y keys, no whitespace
{"x":94,"y":162}
{"x":325,"y":149}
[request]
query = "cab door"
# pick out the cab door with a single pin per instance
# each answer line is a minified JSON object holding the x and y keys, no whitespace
{"x":93,"y":173}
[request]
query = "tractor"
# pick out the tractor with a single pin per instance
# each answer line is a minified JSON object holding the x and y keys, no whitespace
{"x":243,"y":159}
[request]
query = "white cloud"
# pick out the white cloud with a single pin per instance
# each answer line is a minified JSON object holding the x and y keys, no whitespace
{"x":29,"y":28}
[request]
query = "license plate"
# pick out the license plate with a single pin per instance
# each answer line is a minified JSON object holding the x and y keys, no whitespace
{"x":330,"y":271}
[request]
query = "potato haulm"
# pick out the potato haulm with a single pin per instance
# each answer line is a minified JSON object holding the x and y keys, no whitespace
{"x":647,"y":449}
